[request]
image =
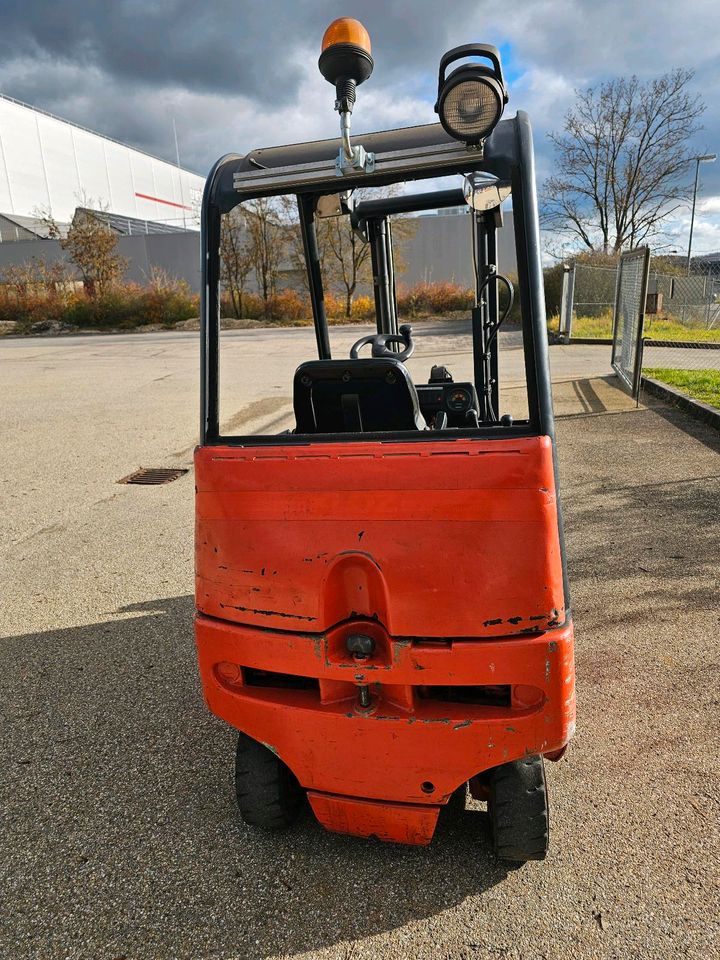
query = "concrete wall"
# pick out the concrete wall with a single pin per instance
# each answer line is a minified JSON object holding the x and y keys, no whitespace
{"x":439,"y":250}
{"x":176,"y":253}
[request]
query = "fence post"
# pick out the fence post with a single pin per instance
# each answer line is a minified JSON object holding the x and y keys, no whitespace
{"x":568,"y":295}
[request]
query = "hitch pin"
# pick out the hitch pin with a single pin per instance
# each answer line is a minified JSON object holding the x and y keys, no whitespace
{"x":361,"y":647}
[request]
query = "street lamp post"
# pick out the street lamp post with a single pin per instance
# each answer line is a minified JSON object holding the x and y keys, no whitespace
{"x":705,"y":158}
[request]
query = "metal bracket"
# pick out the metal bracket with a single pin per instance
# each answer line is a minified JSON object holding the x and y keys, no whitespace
{"x":400,"y":163}
{"x":361,"y":161}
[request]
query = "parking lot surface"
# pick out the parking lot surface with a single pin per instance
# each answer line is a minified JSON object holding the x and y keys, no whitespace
{"x":118,"y":834}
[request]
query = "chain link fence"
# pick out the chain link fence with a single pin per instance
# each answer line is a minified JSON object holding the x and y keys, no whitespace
{"x":681,"y":345}
{"x":693,"y":301}
{"x":630,"y":298}
{"x":588,"y":293}
{"x":588,"y":301}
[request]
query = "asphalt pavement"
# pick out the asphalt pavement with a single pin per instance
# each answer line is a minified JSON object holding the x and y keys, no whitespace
{"x":119,"y":837}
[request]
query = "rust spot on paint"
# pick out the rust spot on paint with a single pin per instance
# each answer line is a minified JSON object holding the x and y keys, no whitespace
{"x":265,"y":613}
{"x":465,"y":723}
{"x":361,"y":534}
{"x":511,"y":729}
{"x":514,"y":620}
{"x":552,"y":646}
{"x":492,"y":623}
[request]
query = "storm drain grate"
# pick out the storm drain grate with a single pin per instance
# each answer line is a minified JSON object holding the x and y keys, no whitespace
{"x":153,"y":476}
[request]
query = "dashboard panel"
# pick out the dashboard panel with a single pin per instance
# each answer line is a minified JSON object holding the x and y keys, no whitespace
{"x":455,"y":399}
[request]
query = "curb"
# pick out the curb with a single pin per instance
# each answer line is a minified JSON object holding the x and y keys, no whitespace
{"x":695,"y":408}
{"x":560,"y":340}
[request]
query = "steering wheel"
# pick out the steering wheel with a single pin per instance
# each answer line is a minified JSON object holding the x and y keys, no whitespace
{"x":380,"y":344}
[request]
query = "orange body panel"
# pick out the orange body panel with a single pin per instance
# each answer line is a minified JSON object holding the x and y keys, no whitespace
{"x":447,"y":554}
{"x":397,"y":822}
{"x":436,"y":539}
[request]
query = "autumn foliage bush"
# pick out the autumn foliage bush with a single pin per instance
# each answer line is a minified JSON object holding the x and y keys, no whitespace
{"x":28,"y":301}
{"x":287,"y":306}
{"x":428,"y":299}
{"x":33,"y":297}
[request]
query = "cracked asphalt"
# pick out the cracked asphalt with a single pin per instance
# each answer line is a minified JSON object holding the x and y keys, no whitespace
{"x":118,"y":834}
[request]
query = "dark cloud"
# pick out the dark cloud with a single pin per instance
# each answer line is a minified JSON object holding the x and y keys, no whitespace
{"x":224,"y":46}
{"x":238,"y":75}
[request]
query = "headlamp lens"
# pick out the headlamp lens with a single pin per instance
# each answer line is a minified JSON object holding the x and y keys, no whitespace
{"x":470,"y":109}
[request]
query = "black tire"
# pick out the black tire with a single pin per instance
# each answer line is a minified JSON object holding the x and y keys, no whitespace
{"x":266,"y":790}
{"x":518,"y":809}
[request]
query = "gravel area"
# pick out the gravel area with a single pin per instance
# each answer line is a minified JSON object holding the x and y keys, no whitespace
{"x":118,"y":834}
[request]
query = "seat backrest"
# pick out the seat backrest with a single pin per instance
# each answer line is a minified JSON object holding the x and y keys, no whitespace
{"x":353,"y":396}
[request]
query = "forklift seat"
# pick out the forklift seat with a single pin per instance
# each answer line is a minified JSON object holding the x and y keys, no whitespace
{"x":355,"y":396}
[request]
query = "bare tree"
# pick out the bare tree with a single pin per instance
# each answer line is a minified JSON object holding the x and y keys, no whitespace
{"x":622,"y":159}
{"x":92,"y":246}
{"x":268,"y":239}
{"x":237,"y":256}
{"x":347,"y":257}
{"x":294,"y":247}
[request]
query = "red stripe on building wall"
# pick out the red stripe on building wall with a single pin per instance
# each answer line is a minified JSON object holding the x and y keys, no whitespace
{"x":169,"y":203}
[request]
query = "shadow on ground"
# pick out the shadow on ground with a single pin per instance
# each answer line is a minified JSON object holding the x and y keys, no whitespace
{"x":122,"y":839}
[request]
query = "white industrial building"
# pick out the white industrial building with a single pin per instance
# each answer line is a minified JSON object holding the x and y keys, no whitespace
{"x":48,"y":165}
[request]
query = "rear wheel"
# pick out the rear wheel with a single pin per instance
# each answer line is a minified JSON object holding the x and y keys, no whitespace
{"x":518,"y":810}
{"x":267,"y":792}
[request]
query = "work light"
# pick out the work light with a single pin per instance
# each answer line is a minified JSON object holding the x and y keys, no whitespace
{"x":472,"y":98}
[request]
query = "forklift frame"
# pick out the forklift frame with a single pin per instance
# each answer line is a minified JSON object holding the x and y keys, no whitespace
{"x":414,"y":153}
{"x":466,"y":677}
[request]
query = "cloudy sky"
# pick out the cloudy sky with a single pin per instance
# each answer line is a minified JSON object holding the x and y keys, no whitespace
{"x":237,"y":75}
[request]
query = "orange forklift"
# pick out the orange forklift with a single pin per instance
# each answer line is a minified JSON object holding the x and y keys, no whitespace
{"x":382,"y":603}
